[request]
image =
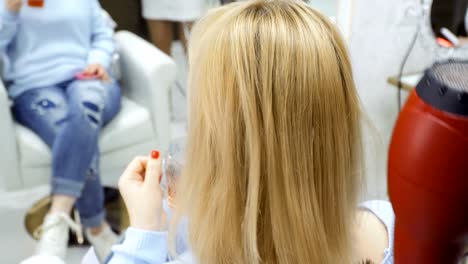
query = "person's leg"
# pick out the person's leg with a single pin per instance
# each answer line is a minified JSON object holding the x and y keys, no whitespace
{"x":183,"y":31}
{"x":44,"y":110}
{"x":161,"y":34}
{"x":95,"y":103}
{"x":111,"y":109}
{"x":69,"y":132}
{"x":99,"y":102}
{"x":75,"y":145}
{"x":61,"y":203}
{"x":91,"y":202}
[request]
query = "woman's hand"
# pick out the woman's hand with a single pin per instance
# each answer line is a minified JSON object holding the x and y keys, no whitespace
{"x":13,"y":5}
{"x":96,"y":70}
{"x":140,"y":189}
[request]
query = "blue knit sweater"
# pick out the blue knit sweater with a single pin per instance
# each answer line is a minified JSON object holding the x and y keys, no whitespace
{"x":45,"y":46}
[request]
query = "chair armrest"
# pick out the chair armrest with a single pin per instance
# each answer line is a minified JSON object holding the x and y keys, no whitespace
{"x":147,"y":74}
{"x":9,"y":165}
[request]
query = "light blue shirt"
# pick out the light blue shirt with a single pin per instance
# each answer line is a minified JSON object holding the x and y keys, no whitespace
{"x":46,"y":46}
{"x":145,"y":247}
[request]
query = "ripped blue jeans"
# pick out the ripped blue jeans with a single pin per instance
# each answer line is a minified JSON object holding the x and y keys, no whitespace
{"x":68,"y":117}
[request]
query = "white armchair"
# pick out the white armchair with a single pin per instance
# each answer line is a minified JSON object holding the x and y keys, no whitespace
{"x":142,"y":124}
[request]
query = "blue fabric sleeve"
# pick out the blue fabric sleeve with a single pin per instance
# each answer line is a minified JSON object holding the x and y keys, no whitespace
{"x":8,"y":26}
{"x":144,"y":247}
{"x":102,"y":39}
{"x":141,"y":247}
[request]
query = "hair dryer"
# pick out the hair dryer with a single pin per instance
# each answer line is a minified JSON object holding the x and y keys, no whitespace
{"x":428,"y":169}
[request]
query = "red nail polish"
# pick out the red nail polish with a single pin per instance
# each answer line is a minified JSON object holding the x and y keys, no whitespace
{"x":155,"y":154}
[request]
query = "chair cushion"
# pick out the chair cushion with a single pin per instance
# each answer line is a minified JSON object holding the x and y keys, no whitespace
{"x":131,"y":126}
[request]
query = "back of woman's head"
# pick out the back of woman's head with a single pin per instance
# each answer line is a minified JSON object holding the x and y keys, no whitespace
{"x":272,"y":171}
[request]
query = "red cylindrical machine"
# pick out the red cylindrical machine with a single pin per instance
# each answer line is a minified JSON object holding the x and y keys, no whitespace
{"x":428,"y":172}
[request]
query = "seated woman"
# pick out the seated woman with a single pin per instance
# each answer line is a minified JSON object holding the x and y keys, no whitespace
{"x":273,"y":164}
{"x":44,"y":47}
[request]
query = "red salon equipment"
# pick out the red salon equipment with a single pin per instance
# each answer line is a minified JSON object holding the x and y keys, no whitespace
{"x":428,"y":169}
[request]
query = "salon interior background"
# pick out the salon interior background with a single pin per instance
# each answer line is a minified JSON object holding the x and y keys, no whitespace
{"x":378,"y":33}
{"x":390,"y":25}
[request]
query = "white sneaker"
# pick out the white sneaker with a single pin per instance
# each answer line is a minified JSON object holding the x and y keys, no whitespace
{"x":102,"y":242}
{"x":53,"y":235}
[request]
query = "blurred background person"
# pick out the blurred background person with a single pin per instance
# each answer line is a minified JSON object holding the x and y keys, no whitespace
{"x":127,"y":15}
{"x":56,"y":56}
{"x":171,"y":19}
{"x":168,"y":21}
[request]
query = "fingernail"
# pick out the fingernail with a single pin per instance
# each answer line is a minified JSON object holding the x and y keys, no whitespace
{"x":155,"y":154}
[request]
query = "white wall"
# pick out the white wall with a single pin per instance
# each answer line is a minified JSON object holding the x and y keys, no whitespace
{"x":380,"y":34}
{"x":328,"y":7}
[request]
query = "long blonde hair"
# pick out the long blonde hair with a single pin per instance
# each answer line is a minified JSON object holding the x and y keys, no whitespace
{"x":274,"y":148}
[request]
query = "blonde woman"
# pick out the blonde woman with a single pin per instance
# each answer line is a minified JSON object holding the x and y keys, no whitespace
{"x":273,"y":165}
